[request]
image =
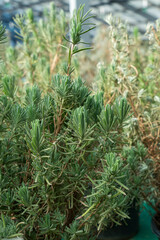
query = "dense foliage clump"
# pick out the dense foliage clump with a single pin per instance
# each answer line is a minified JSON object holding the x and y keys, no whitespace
{"x":67,"y":167}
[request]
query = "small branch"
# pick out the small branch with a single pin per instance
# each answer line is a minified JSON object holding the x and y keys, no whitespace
{"x":53,"y":63}
{"x":155,"y":35}
{"x":135,"y":69}
{"x":70,"y":58}
{"x":88,"y":216}
{"x":110,"y":100}
{"x":65,"y":166}
{"x":58,"y":123}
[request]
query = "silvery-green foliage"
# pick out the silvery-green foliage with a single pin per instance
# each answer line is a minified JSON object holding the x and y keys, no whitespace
{"x":121,"y":42}
{"x":139,"y":84}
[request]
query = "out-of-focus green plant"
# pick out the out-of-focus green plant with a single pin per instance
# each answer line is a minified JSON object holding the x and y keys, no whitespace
{"x":42,"y":53}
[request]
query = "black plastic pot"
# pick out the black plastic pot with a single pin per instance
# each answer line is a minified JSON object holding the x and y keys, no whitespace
{"x":154,"y":226}
{"x":125,"y":230}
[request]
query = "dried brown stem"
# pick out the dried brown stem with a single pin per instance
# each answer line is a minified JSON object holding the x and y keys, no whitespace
{"x":155,"y":35}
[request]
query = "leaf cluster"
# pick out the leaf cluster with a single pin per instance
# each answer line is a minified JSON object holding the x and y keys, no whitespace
{"x":52,"y":151}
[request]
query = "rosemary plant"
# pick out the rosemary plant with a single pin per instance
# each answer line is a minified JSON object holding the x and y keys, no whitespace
{"x":66,"y":165}
{"x":42,"y":53}
{"x":139,"y":83}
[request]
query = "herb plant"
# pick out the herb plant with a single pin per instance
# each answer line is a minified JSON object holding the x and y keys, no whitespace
{"x":67,"y":169}
{"x":43,"y":50}
{"x":134,"y":73}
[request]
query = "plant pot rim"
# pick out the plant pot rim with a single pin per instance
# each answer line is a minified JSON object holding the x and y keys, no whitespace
{"x":154,"y":227}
